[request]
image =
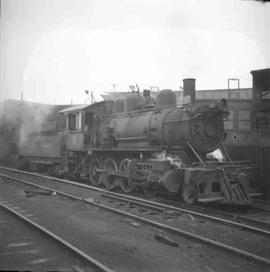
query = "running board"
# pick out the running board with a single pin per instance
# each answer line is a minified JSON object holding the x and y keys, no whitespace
{"x":205,"y":198}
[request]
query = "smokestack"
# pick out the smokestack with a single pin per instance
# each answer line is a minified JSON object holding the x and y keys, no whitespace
{"x":189,"y":90}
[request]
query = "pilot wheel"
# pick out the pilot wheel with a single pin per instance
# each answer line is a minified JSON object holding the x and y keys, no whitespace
{"x":189,"y":193}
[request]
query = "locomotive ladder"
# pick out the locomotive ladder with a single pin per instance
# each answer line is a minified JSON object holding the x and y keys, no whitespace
{"x":196,"y":153}
{"x":234,"y":190}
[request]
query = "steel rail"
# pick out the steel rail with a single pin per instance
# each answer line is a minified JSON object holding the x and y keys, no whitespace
{"x":260,"y":206}
{"x":168,"y":228}
{"x":148,"y":202}
{"x":265,"y":202}
{"x":235,"y":216}
{"x":158,"y":206}
{"x":55,"y":237}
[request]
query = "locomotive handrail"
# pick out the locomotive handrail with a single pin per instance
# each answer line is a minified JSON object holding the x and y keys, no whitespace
{"x":176,"y":121}
{"x":182,"y":120}
{"x":145,"y":110}
{"x":225,"y":163}
{"x":196,"y":154}
{"x":131,"y":138}
{"x":225,"y":152}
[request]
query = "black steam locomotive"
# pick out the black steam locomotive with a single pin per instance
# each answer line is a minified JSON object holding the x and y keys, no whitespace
{"x":138,"y":142}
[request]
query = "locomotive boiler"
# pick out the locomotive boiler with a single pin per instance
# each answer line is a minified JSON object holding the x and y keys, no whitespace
{"x":154,"y":145}
{"x":171,"y":127}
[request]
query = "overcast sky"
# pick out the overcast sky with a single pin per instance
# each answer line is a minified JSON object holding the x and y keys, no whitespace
{"x":53,"y":50}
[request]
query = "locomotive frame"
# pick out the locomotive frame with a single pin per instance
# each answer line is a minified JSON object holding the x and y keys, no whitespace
{"x":111,"y":146}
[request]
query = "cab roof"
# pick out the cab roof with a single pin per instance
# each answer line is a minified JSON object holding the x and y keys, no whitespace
{"x":83,"y":107}
{"x":74,"y":108}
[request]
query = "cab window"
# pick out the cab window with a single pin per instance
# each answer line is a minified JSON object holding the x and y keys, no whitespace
{"x":229,"y":123}
{"x":74,"y":121}
{"x":244,"y":120}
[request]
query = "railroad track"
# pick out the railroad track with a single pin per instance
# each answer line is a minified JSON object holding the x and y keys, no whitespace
{"x":150,"y":210}
{"x":238,"y":219}
{"x":233,"y":219}
{"x":28,"y":228}
{"x":261,"y":205}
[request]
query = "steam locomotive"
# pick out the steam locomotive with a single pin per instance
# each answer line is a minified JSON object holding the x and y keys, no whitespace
{"x":138,"y":142}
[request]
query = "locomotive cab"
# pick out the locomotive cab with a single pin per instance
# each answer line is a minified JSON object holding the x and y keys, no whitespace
{"x":84,"y":126}
{"x":74,"y":132}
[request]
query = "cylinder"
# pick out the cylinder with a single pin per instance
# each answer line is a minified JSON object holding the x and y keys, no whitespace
{"x":189,"y":89}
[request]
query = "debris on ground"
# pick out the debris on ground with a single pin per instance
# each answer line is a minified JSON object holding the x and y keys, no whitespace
{"x":30,"y":193}
{"x":76,"y":268}
{"x":209,"y":269}
{"x":131,"y":205}
{"x":90,"y":200}
{"x":196,"y":246}
{"x":151,"y":213}
{"x":188,"y":216}
{"x":169,"y":214}
{"x":202,"y":221}
{"x":134,"y":224}
{"x":191,"y":217}
{"x":142,"y":210}
{"x":166,"y":240}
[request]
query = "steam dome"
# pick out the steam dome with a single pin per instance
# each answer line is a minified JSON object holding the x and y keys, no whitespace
{"x":166,"y":98}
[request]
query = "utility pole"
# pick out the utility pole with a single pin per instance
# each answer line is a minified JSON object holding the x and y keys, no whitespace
{"x":233,"y":79}
{"x":91,"y":98}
